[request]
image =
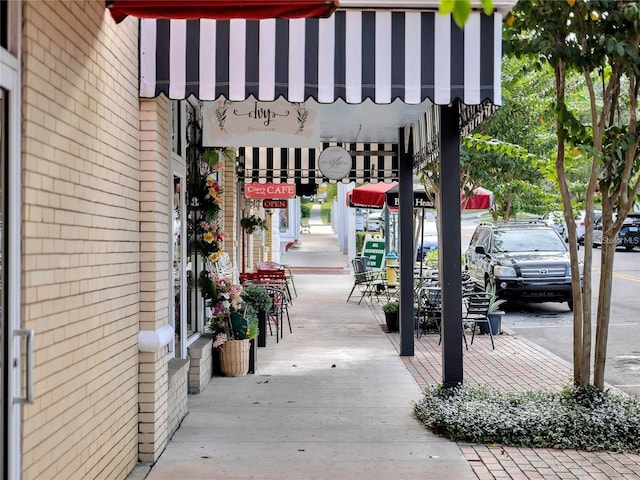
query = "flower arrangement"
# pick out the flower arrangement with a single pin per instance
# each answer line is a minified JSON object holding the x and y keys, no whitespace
{"x":227,"y":320}
{"x":252,"y":223}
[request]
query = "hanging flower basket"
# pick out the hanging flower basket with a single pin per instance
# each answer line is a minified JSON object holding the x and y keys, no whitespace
{"x":253,"y":223}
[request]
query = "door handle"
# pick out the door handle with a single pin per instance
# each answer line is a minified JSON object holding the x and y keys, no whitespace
{"x":28,"y":398}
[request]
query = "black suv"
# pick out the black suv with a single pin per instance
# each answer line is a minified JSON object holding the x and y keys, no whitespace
{"x":526,"y":261}
{"x":628,"y":236}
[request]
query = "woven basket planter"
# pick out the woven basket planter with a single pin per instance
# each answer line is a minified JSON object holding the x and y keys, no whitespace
{"x":234,"y":358}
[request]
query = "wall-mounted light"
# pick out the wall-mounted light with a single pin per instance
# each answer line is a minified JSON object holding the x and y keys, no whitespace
{"x":194,"y":134}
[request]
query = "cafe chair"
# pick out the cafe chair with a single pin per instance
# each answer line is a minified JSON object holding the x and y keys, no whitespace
{"x":370,"y":283}
{"x":278,"y":311}
{"x":477,"y":311}
{"x":429,"y":309}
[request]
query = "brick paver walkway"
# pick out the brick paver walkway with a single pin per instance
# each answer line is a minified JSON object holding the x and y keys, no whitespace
{"x":516,"y":364}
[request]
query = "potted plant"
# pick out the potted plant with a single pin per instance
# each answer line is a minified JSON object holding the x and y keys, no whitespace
{"x":253,"y":223}
{"x":494,"y":314}
{"x":257,"y":302}
{"x":391,"y":310}
{"x":232,"y":328}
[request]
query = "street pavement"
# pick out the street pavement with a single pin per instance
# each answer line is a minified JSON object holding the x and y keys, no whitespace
{"x":333,"y":399}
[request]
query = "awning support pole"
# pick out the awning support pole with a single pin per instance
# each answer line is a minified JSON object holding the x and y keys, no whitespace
{"x":405,"y":233}
{"x":450,"y":246}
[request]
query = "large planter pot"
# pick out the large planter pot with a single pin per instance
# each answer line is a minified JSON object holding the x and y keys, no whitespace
{"x":234,"y":358}
{"x":495,"y":320}
{"x":392,"y":321}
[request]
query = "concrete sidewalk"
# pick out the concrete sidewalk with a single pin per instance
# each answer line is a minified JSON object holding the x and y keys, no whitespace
{"x":333,"y":400}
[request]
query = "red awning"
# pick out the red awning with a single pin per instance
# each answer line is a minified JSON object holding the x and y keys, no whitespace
{"x":220,"y":9}
{"x":480,"y":199}
{"x":369,"y":195}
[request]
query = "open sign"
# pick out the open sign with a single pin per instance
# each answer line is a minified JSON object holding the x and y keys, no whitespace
{"x":270,"y":203}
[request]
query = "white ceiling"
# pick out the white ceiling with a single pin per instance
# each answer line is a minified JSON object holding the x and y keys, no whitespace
{"x":365,"y":122}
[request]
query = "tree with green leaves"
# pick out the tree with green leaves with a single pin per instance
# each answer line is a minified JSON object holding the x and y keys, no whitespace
{"x":600,"y":40}
{"x":505,"y":157}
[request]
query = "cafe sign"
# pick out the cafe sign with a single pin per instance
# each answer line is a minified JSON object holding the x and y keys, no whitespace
{"x":260,"y":124}
{"x":269,"y":190}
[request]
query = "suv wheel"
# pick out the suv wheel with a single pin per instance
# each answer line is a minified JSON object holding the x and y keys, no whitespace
{"x":570,"y":303}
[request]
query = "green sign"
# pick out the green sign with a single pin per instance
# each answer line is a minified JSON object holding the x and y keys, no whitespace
{"x":373,"y":249}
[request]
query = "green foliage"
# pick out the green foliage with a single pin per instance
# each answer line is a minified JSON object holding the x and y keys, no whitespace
{"x":460,"y":9}
{"x":256,"y":297}
{"x":360,"y":236}
{"x":305,"y":208}
{"x":574,"y":418}
{"x":325,"y":212}
{"x":391,"y":307}
{"x":495,"y":303}
{"x":243,"y":327}
{"x":252,"y":223}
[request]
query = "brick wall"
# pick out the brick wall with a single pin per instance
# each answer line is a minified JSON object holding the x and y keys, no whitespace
{"x":81,"y":240}
{"x":154,"y":274}
{"x":230,"y":219}
{"x":200,"y":364}
{"x":178,"y":392}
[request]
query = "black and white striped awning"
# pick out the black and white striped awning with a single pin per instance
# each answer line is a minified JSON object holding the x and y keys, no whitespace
{"x":354,"y":55}
{"x":371,"y":163}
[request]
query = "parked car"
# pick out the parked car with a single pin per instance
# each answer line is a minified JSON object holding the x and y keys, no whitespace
{"x":373,"y":223}
{"x":427,"y":241}
{"x":523,"y":261}
{"x":628,"y":236}
{"x":580,"y":225}
{"x":556,"y":220}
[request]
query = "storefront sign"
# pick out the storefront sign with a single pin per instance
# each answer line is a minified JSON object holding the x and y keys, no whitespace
{"x":373,"y":249}
{"x":335,"y":163}
{"x":268,"y":203}
{"x":269,"y":190}
{"x":259,"y":124}
{"x":420,"y":199}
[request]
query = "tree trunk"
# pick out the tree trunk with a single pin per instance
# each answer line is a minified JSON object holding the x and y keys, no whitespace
{"x":604,"y":310}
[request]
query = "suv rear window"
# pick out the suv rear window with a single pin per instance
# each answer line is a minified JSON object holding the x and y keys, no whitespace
{"x":527,"y":240}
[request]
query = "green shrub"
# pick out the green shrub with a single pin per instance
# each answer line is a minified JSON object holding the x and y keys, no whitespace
{"x":360,"y":241}
{"x":305,"y":209}
{"x":574,"y":418}
{"x":325,"y":212}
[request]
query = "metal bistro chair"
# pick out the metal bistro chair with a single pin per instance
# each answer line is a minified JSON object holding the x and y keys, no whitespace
{"x":429,"y":309}
{"x":279,"y":309}
{"x":369,"y":282}
{"x":477,"y":312}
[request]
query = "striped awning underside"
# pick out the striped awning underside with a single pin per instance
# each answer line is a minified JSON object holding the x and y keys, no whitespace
{"x":426,"y":131}
{"x":354,"y":55}
{"x":299,"y":165}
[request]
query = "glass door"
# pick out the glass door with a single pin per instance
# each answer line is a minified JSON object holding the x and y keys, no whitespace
{"x":3,"y":325}
{"x":11,"y":337}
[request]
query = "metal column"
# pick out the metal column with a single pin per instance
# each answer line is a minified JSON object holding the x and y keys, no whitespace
{"x":450,"y":246}
{"x":405,"y":232}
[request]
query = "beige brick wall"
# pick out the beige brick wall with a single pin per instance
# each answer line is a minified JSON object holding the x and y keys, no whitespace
{"x":178,"y":392}
{"x":200,"y":364}
{"x":230,"y":219}
{"x":81,"y":240}
{"x":154,"y":275}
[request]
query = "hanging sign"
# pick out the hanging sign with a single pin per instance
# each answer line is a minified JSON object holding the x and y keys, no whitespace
{"x":335,"y":163}
{"x":252,"y":123}
{"x":270,"y":190}
{"x":269,"y":203}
